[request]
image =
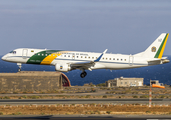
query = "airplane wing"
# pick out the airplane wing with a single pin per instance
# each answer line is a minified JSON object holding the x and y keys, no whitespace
{"x":87,"y":64}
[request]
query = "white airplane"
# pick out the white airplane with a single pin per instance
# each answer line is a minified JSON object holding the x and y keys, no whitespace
{"x":65,"y":61}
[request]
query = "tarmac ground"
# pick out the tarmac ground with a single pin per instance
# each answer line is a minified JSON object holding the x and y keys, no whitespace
{"x":89,"y":117}
{"x":83,"y":101}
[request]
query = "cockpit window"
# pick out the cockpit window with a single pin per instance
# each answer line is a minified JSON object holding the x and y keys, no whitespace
{"x":14,"y":52}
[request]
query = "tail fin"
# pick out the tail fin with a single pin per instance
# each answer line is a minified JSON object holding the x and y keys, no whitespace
{"x":156,"y":49}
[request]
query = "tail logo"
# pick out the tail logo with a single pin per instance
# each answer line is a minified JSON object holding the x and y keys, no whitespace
{"x":153,"y":49}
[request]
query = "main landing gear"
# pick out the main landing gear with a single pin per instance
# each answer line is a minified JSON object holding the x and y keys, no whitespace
{"x":83,"y":74}
{"x":19,"y":65}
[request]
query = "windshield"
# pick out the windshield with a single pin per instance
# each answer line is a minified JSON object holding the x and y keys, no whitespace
{"x":14,"y":52}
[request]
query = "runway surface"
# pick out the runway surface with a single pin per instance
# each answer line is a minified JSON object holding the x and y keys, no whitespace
{"x":82,"y":101}
{"x":89,"y":117}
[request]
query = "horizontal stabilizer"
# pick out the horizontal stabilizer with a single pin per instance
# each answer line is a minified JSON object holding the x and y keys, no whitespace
{"x":163,"y":60}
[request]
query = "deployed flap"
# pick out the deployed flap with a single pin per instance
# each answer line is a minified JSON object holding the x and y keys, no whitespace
{"x":82,"y":63}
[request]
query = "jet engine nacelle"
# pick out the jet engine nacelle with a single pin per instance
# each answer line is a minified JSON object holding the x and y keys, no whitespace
{"x":62,"y":67}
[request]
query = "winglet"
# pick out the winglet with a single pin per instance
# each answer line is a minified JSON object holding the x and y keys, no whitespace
{"x":98,"y":59}
{"x":105,"y":51}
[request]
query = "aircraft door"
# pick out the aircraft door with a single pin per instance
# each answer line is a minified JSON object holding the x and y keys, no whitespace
{"x":25,"y":52}
{"x":131,"y":60}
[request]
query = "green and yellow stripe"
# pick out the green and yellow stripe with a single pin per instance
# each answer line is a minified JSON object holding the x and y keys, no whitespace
{"x":47,"y":60}
{"x":160,"y":51}
{"x":45,"y":57}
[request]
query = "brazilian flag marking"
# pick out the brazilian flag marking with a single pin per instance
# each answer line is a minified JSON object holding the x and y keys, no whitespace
{"x":44,"y":57}
{"x":160,"y":51}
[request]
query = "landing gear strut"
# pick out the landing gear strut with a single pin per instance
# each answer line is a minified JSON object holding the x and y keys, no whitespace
{"x":19,"y":65}
{"x":83,"y":74}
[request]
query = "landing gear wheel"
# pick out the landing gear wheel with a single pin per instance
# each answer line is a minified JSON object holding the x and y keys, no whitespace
{"x":19,"y":65}
{"x":83,"y":74}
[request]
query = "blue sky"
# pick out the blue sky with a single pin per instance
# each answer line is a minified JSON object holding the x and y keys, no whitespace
{"x":121,"y":26}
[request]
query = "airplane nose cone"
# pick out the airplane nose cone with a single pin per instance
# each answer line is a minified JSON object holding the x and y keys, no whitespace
{"x":3,"y":58}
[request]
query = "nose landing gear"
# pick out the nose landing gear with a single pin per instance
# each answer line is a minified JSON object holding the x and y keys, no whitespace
{"x":83,"y":74}
{"x":19,"y":65}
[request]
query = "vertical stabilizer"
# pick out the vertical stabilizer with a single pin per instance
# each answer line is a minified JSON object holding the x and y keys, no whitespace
{"x":156,"y":49}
